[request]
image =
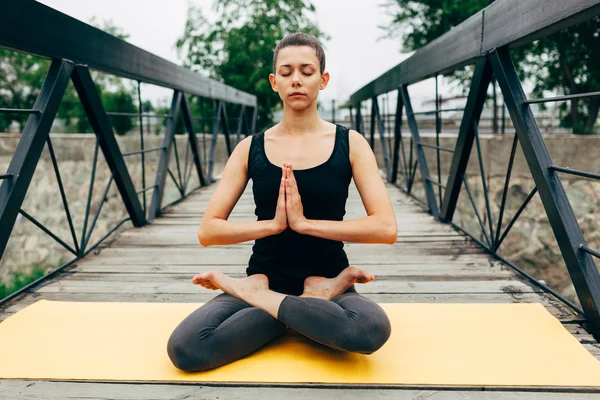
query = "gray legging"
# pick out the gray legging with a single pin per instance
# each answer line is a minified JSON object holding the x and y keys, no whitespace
{"x":226,"y":328}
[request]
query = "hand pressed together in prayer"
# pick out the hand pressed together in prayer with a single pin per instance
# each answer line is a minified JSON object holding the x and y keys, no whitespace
{"x":290,"y":211}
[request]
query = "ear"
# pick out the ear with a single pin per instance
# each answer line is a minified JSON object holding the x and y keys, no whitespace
{"x":324,"y":80}
{"x":273,"y":83}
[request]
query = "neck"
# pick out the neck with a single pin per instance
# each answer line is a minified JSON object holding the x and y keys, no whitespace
{"x":300,"y":122}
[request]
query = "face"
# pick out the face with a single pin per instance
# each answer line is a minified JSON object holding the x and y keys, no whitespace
{"x":297,"y":77}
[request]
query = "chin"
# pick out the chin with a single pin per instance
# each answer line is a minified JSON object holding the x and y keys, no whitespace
{"x":299,"y":105}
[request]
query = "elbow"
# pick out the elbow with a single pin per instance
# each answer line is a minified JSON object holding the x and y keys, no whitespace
{"x":203,"y":237}
{"x":391,"y":233}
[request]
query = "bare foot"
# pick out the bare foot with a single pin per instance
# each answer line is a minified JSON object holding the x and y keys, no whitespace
{"x":328,"y":288}
{"x":242,"y":288}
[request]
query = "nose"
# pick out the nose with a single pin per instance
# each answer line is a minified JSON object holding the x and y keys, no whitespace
{"x":296,"y":79}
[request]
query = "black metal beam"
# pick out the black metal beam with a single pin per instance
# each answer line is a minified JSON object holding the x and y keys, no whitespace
{"x":213,"y":142}
{"x":225,"y":124}
{"x":358,"y":125}
{"x":189,"y":126}
{"x":34,"y":28}
{"x":563,"y":98}
{"x":18,"y":111}
{"x":384,"y":147}
{"x":28,"y":152}
{"x":238,"y":133}
{"x":372,"y":130}
{"x":163,"y":164}
{"x":397,"y":137}
{"x":466,"y":135}
{"x":513,"y":22}
{"x":583,"y":271}
{"x":412,"y":123}
{"x":92,"y":104}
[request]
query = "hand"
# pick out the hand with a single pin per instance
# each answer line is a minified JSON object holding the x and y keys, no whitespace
{"x":293,"y":202}
{"x":280,"y":221}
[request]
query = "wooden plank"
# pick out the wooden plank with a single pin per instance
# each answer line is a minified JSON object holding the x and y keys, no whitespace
{"x":46,"y":390}
{"x":189,"y":229}
{"x":227,"y":257}
{"x":556,"y":308}
{"x":157,"y":238}
{"x":240,"y":254}
{"x":155,"y":284}
{"x":399,"y":270}
{"x":381,"y":274}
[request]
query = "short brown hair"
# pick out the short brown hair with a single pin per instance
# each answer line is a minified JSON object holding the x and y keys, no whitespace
{"x":301,"y":39}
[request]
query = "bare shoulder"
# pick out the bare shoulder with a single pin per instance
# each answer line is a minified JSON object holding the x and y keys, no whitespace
{"x":359,"y":147}
{"x":239,"y":156}
{"x":243,"y":147}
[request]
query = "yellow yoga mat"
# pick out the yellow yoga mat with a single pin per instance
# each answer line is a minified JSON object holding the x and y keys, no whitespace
{"x":433,"y":344}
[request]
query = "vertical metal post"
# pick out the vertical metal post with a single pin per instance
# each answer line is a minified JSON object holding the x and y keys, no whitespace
{"x":333,"y":111}
{"x":213,"y":142}
{"x":503,"y":117}
{"x":92,"y":104}
{"x":397,"y":137}
{"x":240,"y":124}
{"x":225,"y":123}
{"x":372,"y":139}
{"x":466,"y":135}
{"x":412,"y":123}
{"x":189,"y":125}
{"x":163,"y":164}
{"x":583,"y":271}
{"x":358,"y":126}
{"x":384,"y":148}
{"x":142,"y":154}
{"x":438,"y":128}
{"x":30,"y":147}
{"x":254,"y":115}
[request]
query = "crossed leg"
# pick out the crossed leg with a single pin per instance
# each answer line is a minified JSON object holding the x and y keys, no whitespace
{"x":249,"y":315}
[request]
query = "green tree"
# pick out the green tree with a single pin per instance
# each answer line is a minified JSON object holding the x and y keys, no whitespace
{"x":566,"y":62}
{"x":237,"y":49}
{"x":22,"y":75}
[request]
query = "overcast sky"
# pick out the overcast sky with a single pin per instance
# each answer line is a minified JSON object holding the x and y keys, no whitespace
{"x":355,"y":56}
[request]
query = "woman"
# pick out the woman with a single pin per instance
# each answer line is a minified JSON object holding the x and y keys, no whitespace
{"x":298,"y":274}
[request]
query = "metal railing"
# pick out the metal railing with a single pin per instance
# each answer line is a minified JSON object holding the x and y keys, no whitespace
{"x":484,"y":40}
{"x":43,"y":33}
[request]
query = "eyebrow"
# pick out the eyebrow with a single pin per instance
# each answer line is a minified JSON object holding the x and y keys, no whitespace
{"x":303,"y":65}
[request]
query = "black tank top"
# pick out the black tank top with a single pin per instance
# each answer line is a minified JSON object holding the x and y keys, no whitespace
{"x":289,"y":257}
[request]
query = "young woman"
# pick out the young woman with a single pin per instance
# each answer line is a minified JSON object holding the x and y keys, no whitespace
{"x":298,"y":274}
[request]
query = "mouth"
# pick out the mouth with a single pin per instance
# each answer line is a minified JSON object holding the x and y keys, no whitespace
{"x":297,"y":94}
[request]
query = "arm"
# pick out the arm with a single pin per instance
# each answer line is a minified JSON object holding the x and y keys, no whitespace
{"x":379,"y":226}
{"x":214,"y":228}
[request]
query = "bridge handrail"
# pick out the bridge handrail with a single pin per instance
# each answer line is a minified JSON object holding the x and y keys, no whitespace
{"x":35,"y":28}
{"x":505,"y":22}
{"x":74,"y":48}
{"x":485,"y":39}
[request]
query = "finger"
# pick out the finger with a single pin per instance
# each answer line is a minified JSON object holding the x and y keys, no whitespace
{"x":281,"y":199}
{"x":288,"y":191}
{"x":294,"y":184}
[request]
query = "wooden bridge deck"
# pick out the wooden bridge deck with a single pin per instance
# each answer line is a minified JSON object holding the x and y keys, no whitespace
{"x":430,"y":262}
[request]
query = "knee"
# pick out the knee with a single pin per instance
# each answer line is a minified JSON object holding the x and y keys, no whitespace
{"x":368,"y":337}
{"x":187,"y":355}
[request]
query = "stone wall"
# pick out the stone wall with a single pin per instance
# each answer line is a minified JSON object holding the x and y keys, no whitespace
{"x":530,"y":244}
{"x":29,"y":247}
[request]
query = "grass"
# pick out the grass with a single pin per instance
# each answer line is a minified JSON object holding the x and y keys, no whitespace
{"x":21,"y":280}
